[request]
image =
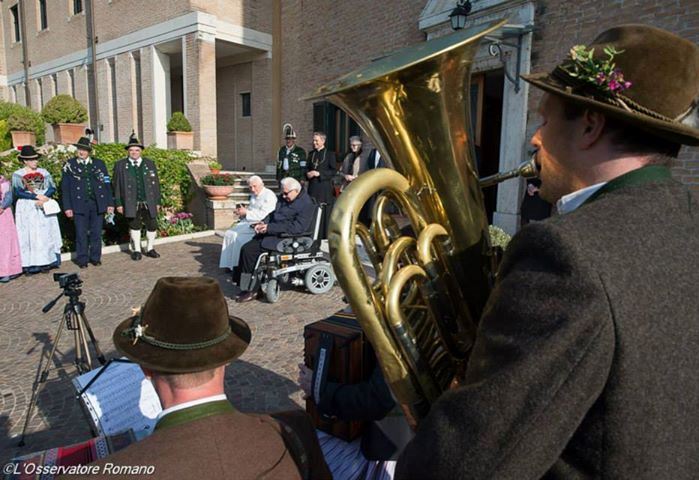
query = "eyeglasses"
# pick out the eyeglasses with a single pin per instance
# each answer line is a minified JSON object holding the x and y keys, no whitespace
{"x":356,"y":145}
{"x":286,"y":194}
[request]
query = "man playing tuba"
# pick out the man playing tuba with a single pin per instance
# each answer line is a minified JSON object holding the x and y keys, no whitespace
{"x":585,"y":362}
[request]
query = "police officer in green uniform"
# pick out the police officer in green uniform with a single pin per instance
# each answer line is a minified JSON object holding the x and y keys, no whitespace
{"x":137,"y":196}
{"x":291,"y":159}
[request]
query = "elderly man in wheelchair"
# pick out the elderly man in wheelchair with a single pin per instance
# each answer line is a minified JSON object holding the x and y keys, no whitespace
{"x":285,"y":248}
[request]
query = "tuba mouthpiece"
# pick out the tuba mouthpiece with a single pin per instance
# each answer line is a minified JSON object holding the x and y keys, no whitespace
{"x":526,"y":169}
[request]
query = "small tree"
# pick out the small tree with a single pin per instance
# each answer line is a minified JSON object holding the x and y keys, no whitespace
{"x":25,"y":119}
{"x":64,"y":109}
{"x":178,"y":123}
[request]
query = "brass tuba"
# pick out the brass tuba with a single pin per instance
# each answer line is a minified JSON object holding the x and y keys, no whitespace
{"x":430,"y":286}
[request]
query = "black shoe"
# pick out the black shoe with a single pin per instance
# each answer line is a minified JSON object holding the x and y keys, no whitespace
{"x":246,"y":297}
{"x":96,"y":263}
{"x":135,"y":255}
{"x":82,"y":265}
{"x":152,"y":254}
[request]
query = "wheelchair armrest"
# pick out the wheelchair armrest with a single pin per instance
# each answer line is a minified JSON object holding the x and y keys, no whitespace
{"x":290,"y":235}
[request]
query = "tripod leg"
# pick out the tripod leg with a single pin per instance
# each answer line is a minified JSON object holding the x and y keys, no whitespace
{"x":83,"y":339}
{"x":41,"y":381}
{"x":93,"y":339}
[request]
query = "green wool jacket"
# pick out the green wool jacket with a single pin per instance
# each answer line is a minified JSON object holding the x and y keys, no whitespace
{"x":213,"y":440}
{"x":586,"y":362}
{"x":297,"y":164}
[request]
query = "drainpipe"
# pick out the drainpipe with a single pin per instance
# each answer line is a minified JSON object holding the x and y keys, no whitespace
{"x":276,"y":76}
{"x":25,"y":55}
{"x":92,"y":39}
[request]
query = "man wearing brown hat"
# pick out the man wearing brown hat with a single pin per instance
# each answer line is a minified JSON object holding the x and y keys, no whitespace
{"x":585,"y":363}
{"x":183,"y":338}
{"x":137,"y":196}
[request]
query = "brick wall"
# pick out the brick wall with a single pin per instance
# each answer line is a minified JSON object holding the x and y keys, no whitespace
{"x":323,"y":40}
{"x":234,"y":131}
{"x":561,"y":24}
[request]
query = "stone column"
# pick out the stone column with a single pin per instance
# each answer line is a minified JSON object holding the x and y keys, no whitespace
{"x":513,"y":140}
{"x":200,"y":86}
{"x":127,"y":115}
{"x":64,"y":85}
{"x":21,"y":94}
{"x":104,"y":87}
{"x":81,"y":88}
{"x":155,"y":95}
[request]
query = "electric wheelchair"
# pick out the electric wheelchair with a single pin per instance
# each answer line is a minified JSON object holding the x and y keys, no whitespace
{"x":297,"y":261}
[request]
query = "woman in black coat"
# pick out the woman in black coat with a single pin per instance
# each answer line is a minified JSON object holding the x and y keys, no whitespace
{"x":321,"y":170}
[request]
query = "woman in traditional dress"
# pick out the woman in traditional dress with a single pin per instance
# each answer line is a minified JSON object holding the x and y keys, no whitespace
{"x":39,"y":234}
{"x":321,"y":171}
{"x":10,"y":262}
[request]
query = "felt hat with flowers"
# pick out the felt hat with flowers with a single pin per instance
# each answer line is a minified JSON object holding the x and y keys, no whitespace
{"x":183,"y":327}
{"x":642,"y":75}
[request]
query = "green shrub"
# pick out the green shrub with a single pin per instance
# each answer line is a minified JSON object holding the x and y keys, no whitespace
{"x":5,"y":142}
{"x":20,"y":117}
{"x":178,"y":123}
{"x":175,"y":181}
{"x":64,"y":109}
{"x":219,"y":179}
{"x":215,"y":165}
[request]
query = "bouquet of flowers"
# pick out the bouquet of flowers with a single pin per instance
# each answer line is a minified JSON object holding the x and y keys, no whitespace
{"x":33,"y":181}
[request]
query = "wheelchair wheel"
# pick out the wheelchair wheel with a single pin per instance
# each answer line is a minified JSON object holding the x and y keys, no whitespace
{"x":272,"y":290}
{"x":319,"y":278}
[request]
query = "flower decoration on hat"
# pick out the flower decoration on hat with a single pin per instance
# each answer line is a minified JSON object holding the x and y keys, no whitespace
{"x":602,"y":73}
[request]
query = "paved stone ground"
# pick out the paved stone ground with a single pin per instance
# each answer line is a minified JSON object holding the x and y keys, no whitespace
{"x":262,"y":380}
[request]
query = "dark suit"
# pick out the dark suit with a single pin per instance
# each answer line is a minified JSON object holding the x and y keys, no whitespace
{"x":226,"y":444}
{"x":366,"y":401}
{"x":586,"y":362}
{"x":321,"y":187}
{"x":125,"y":187}
{"x":86,"y":190}
{"x":293,"y":218}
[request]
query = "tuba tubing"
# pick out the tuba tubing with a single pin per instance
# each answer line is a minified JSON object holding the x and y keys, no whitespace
{"x":420,"y":311}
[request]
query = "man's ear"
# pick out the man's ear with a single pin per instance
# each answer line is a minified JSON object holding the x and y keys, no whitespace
{"x":593,"y":123}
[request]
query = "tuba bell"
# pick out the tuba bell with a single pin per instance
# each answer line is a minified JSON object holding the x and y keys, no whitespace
{"x":431,"y":280}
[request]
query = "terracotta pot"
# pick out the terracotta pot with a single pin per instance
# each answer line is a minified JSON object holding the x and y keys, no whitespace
{"x":180,"y":140}
{"x":215,"y":171}
{"x":67,"y":133}
{"x":21,"y":138}
{"x":218,"y":192}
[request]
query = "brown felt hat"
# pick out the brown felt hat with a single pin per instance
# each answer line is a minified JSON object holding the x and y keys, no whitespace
{"x":663,"y":71}
{"x":183,"y":327}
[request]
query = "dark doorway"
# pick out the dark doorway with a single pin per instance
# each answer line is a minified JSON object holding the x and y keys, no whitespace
{"x":486,"y":118}
{"x":336,"y":124}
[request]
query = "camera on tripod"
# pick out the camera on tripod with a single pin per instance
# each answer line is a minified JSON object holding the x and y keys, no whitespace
{"x":67,"y":280}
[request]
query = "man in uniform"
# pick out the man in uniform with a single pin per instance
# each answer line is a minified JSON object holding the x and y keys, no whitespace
{"x":291,"y":159}
{"x":585,"y":363}
{"x":86,"y":194}
{"x":137,"y":196}
{"x":183,"y":338}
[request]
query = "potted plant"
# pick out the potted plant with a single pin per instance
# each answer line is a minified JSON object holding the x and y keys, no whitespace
{"x":215,"y":167}
{"x":179,"y":133}
{"x":67,"y":116}
{"x":219,"y":186}
{"x":25,"y":127}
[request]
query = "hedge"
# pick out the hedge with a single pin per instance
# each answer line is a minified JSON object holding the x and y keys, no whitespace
{"x":23,"y":118}
{"x":175,"y":181}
